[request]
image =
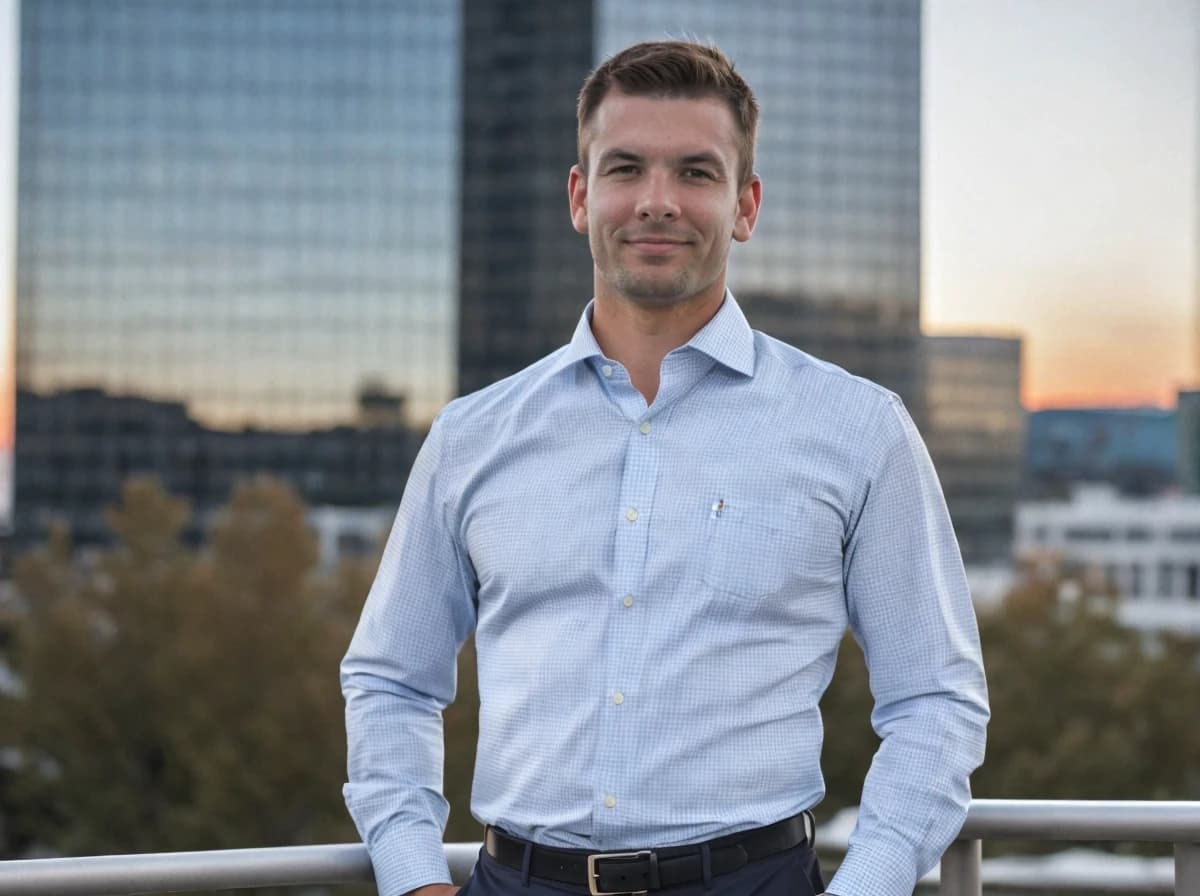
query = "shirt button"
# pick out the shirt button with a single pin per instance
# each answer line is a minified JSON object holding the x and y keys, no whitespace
{"x":645,"y":428}
{"x":606,"y":370}
{"x":610,"y":801}
{"x":618,"y":698}
{"x":631,"y":515}
{"x":627,"y":600}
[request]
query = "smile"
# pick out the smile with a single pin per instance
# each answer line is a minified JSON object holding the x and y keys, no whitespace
{"x":656,"y":247}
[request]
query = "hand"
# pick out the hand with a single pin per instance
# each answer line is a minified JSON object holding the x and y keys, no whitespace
{"x":434,"y":890}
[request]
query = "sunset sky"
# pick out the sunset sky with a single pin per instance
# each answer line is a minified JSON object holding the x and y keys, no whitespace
{"x":1060,"y":189}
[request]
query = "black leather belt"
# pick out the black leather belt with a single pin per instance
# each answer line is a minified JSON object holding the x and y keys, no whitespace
{"x":645,"y":870}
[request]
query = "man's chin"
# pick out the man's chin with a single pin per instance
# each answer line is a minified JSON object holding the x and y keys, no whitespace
{"x":654,"y":292}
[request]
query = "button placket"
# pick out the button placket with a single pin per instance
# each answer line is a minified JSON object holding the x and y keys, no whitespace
{"x":621,"y":664}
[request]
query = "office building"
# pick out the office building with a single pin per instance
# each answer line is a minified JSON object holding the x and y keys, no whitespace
{"x":976,"y":437}
{"x":834,"y":264}
{"x":1147,"y":550}
{"x":262,"y":214}
{"x":1187,"y":428}
{"x":243,"y":211}
{"x":525,"y":273}
{"x":1132,"y":449}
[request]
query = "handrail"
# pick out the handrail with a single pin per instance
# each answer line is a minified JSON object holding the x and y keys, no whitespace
{"x":1128,"y":820}
{"x":117,"y":875}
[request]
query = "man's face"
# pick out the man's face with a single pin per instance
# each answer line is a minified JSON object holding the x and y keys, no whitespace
{"x":660,"y":201}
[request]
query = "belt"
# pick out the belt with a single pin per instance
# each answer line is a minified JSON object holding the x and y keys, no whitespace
{"x":644,"y":870}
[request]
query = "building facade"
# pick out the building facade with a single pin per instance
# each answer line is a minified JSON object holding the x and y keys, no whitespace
{"x":1187,"y":428}
{"x":1132,"y":449}
{"x":525,"y":274}
{"x":1145,"y":549}
{"x":834,"y":264}
{"x":251,"y":215}
{"x":242,"y":214}
{"x":976,"y":436}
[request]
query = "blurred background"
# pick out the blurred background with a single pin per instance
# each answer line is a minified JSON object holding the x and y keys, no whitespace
{"x":248,"y":249}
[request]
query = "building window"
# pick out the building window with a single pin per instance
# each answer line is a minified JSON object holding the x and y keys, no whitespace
{"x":1088,"y":534}
{"x":1164,"y":579}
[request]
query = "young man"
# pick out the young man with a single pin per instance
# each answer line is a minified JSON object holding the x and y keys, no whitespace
{"x":659,"y":534}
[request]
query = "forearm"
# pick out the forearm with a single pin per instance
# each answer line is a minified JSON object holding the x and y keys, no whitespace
{"x":394,"y":792}
{"x":916,"y":794}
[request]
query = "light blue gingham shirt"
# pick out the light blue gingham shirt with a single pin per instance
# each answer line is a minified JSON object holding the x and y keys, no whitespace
{"x":658,"y":594}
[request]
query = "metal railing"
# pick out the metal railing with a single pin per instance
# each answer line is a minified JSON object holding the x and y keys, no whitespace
{"x":961,"y":868}
{"x":1071,"y":820}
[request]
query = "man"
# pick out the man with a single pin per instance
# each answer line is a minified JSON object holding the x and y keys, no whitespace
{"x":659,"y":534}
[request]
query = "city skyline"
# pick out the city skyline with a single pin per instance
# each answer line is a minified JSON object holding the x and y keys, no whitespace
{"x":1052,"y":282}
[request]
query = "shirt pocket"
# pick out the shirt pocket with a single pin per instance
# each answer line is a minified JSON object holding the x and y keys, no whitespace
{"x":750,"y":549}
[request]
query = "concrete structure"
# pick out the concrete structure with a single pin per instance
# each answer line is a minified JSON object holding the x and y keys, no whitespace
{"x":1148,"y":550}
{"x":349,"y":532}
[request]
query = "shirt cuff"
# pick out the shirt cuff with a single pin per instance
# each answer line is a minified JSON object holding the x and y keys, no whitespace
{"x":405,"y":860}
{"x":879,"y":871}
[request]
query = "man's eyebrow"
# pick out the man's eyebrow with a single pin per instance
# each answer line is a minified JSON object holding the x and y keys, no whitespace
{"x":704,"y":158}
{"x":618,"y":155}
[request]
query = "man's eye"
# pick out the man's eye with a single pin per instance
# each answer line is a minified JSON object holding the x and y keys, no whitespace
{"x":696,"y":174}
{"x":623,"y":169}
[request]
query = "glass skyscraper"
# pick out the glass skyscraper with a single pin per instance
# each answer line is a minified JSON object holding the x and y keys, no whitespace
{"x":239,"y":218}
{"x":250,"y":206}
{"x":278,"y":217}
{"x":834,"y":263}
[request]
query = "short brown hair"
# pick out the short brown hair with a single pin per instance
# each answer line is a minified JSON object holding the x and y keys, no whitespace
{"x":670,"y":69}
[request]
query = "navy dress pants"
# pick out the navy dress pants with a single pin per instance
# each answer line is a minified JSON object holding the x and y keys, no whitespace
{"x":793,"y":872}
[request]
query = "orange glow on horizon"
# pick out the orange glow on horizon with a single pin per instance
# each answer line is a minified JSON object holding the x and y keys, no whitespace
{"x":1099,"y":398}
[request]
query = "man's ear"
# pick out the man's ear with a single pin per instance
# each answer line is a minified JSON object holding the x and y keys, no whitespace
{"x":577,"y":196}
{"x":748,"y":203}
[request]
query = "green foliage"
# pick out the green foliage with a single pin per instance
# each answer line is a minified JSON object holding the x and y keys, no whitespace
{"x":1082,"y":707}
{"x":179,"y":700}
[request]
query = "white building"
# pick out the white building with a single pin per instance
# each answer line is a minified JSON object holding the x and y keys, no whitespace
{"x":1148,"y":549}
{"x":349,"y":531}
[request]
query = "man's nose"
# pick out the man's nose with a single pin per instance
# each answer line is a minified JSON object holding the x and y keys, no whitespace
{"x":658,"y":201}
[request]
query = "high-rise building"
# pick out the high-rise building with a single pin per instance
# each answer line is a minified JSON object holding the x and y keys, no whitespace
{"x":834,"y":263}
{"x":1187,"y":429}
{"x":976,"y":438}
{"x":262,"y":213}
{"x":525,"y":273}
{"x":246,"y":208}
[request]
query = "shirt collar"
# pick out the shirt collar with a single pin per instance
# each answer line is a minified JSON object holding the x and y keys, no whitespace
{"x":727,"y":339}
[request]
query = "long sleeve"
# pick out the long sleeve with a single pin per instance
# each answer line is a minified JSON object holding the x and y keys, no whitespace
{"x":398,"y":676}
{"x":911,"y":611}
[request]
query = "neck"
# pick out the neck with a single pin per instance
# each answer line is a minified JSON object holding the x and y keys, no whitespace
{"x":639,"y":337}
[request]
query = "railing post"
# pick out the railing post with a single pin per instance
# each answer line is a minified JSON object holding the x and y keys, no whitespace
{"x":961,"y":869}
{"x":1187,"y":868}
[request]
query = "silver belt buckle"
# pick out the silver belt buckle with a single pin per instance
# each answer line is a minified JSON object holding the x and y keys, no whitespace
{"x":594,"y":876}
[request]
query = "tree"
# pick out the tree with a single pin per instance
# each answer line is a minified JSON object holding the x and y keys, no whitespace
{"x":177,"y":699}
